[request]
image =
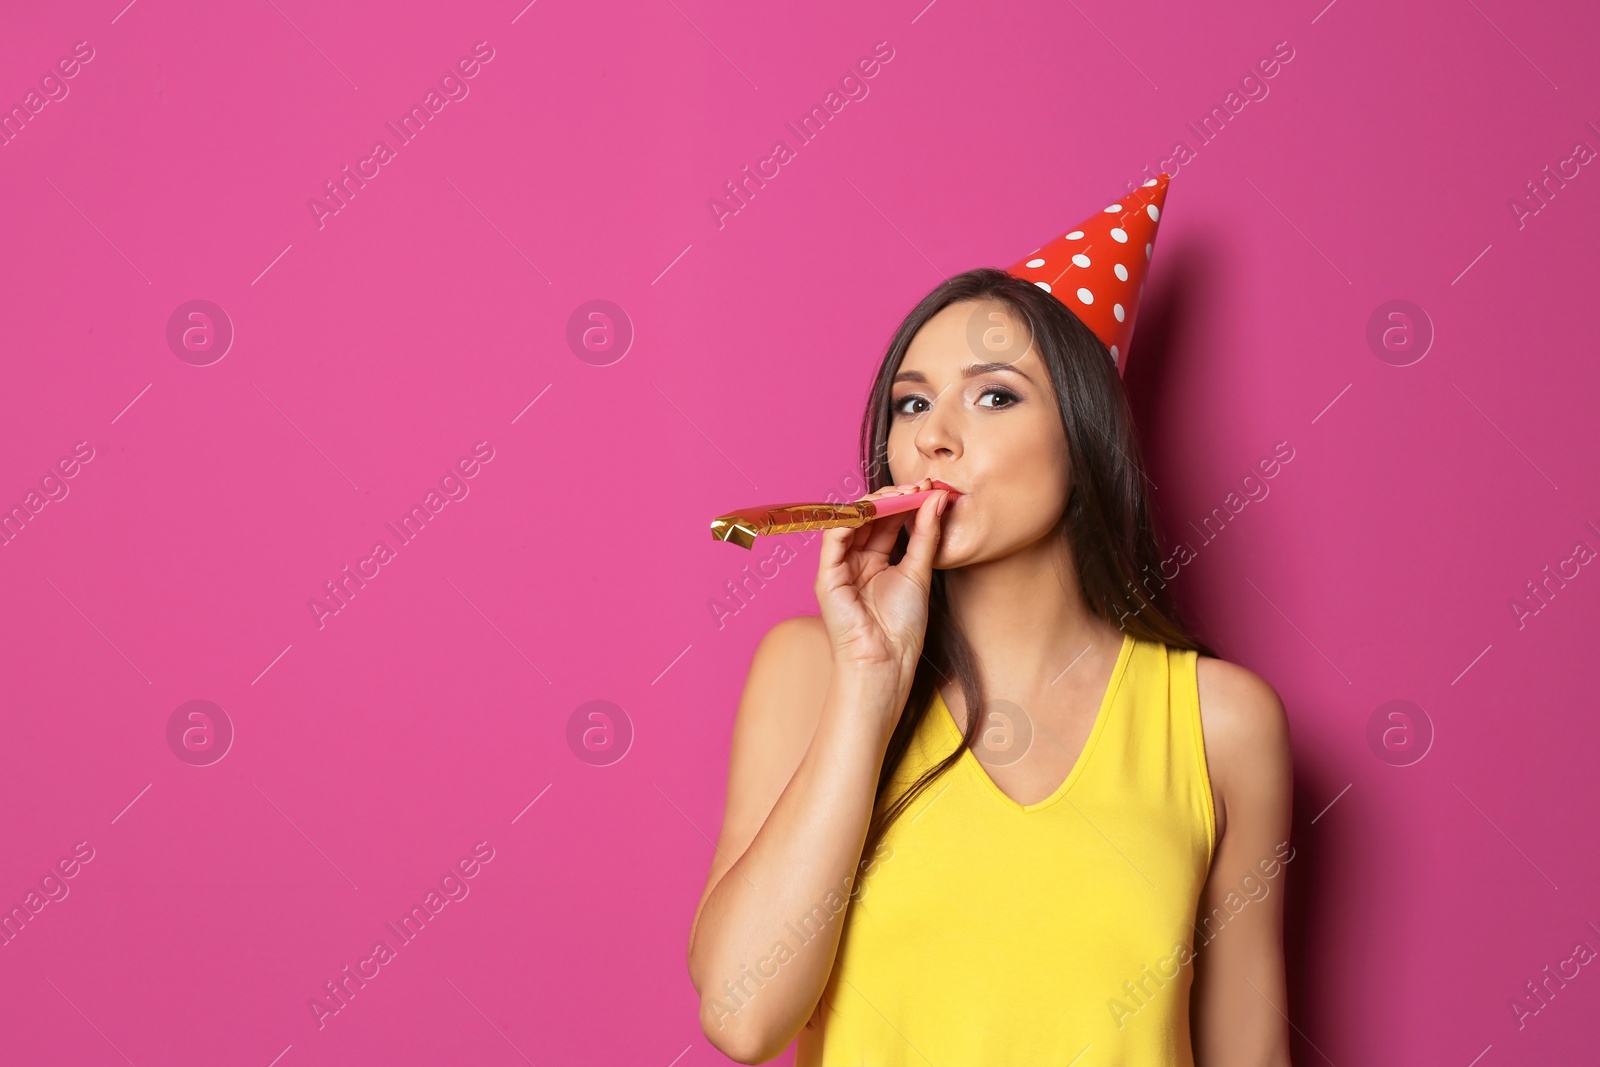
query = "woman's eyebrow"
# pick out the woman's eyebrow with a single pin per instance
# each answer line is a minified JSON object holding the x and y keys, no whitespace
{"x":971,"y":370}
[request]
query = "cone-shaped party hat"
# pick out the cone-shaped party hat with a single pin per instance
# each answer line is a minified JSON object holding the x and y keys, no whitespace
{"x":1098,"y":269}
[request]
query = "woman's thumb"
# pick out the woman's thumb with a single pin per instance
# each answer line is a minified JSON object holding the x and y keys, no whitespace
{"x":924,"y":540}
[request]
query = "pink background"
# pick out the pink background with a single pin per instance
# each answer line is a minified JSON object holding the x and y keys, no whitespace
{"x":373,"y":353}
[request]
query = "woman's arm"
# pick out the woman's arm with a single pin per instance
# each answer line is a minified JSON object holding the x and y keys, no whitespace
{"x":802,"y":776}
{"x":1239,"y":1006}
{"x":820,"y":704}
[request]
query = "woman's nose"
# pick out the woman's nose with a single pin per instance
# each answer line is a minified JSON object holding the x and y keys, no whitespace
{"x":939,"y":432}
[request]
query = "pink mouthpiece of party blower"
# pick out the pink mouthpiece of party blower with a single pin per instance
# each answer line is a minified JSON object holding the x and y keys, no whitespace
{"x":742,"y":527}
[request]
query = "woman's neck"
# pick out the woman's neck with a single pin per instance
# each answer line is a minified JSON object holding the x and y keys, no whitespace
{"x":1025,"y":617}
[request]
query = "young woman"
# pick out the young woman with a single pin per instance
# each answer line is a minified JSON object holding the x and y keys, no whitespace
{"x":1087,"y":871}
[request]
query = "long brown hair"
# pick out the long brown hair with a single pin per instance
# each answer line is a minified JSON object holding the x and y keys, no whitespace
{"x":1106,"y":521}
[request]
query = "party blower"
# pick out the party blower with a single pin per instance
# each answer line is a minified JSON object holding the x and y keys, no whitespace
{"x":744,"y":526}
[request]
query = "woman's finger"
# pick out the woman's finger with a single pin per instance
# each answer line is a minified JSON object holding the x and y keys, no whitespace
{"x":881,"y":533}
{"x":837,"y":544}
{"x":895,"y":490}
{"x":875,"y":537}
{"x":924,"y":543}
{"x":867,"y":538}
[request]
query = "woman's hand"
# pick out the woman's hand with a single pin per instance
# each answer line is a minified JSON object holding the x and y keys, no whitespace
{"x":876,"y":614}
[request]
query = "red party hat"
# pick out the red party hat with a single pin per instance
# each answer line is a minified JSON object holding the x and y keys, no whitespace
{"x":1098,"y":269}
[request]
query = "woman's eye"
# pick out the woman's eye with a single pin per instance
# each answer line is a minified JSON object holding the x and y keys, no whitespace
{"x":1005,"y":396}
{"x":906,"y":405}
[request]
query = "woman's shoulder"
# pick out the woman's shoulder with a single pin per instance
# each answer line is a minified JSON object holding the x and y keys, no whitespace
{"x":1238,"y":708}
{"x":789,"y":675}
{"x":797,"y":634}
{"x":1246,"y":731}
{"x":794,"y":646}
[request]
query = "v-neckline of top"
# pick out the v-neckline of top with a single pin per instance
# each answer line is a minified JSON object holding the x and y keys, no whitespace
{"x":971,"y":759}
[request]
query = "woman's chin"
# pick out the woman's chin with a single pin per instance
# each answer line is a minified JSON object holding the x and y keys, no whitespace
{"x":955,"y":550}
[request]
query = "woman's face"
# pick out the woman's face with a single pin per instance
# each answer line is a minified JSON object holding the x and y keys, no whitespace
{"x":973,"y":406}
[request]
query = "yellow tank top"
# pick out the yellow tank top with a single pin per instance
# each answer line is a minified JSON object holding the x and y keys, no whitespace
{"x":986,"y":932}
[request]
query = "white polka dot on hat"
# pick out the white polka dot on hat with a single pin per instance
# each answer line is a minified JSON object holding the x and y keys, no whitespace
{"x":1106,"y":283}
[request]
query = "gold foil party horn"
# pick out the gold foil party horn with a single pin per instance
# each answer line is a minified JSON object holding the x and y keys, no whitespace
{"x":744,"y":526}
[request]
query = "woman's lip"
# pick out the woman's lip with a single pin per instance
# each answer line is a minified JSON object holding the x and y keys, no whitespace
{"x":937,"y":484}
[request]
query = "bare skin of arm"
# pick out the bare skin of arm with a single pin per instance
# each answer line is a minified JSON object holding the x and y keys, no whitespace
{"x":818,"y":708}
{"x":1239,"y":1006}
